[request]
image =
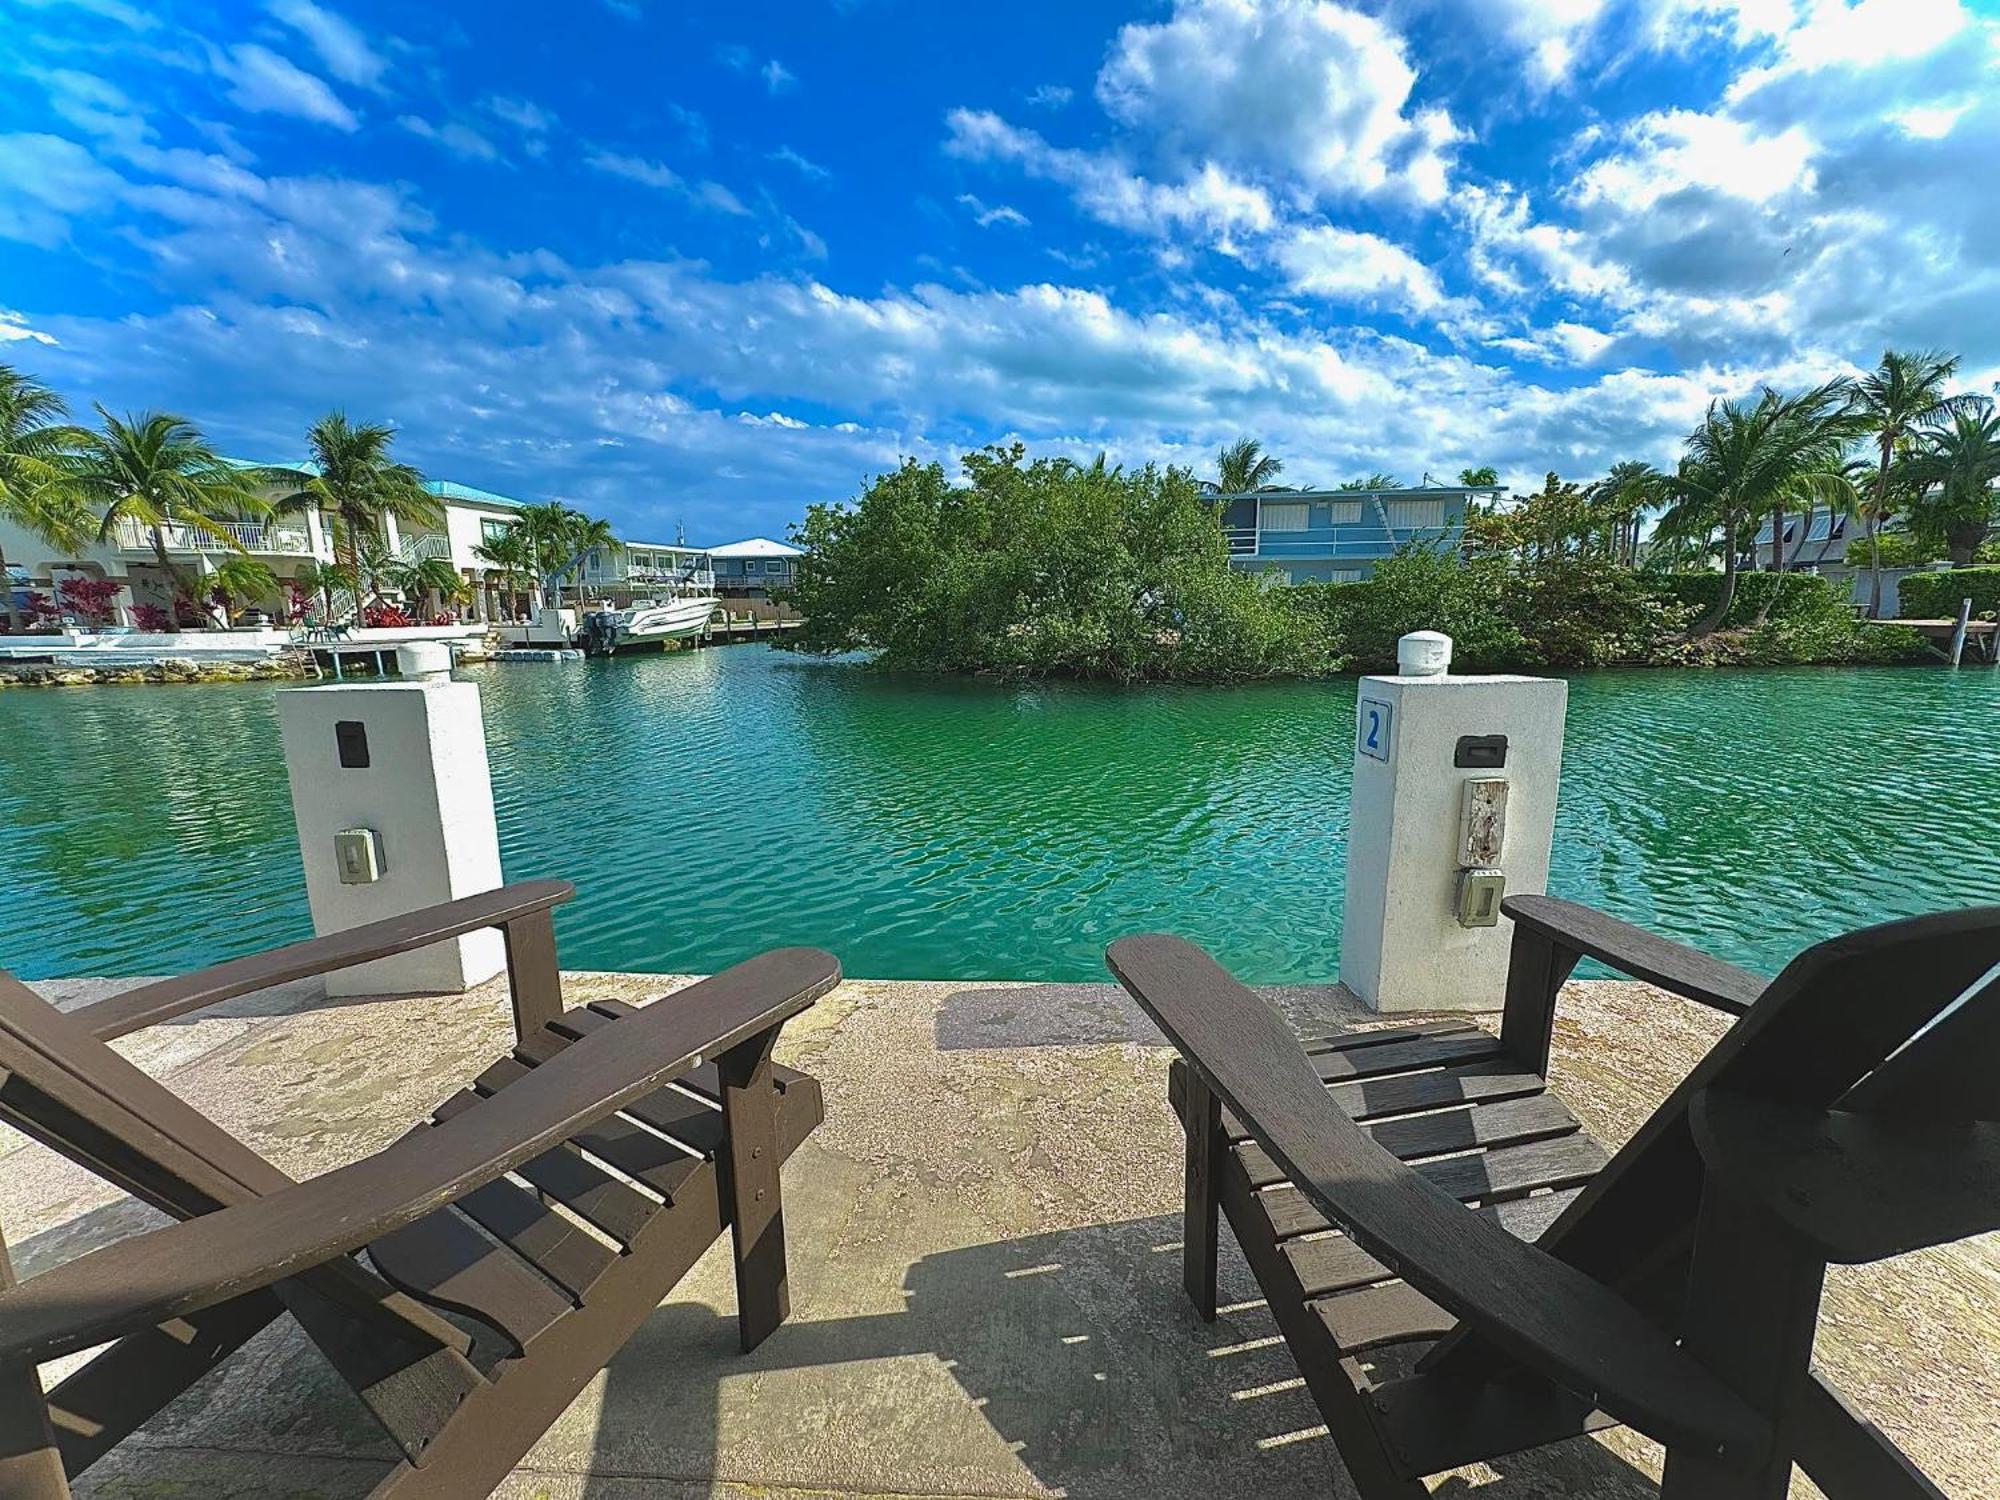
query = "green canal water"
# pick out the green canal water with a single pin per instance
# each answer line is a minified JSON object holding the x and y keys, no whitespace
{"x":712,"y":804}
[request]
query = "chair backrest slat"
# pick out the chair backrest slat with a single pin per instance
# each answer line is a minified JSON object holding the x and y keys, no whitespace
{"x":1947,"y":1072}
{"x":1843,"y":1008}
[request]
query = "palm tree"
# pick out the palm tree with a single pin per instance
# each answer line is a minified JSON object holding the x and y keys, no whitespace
{"x":370,"y":559}
{"x":35,"y":489}
{"x":512,"y":555}
{"x":355,"y":483}
{"x":589,"y":535}
{"x":1856,"y":470}
{"x":1621,"y":498}
{"x":1900,"y":397}
{"x":559,"y":539}
{"x":241,"y":580}
{"x":156,"y":470}
{"x":327,"y":579}
{"x":1244,"y":466}
{"x":431,"y":579}
{"x":1749,"y":459}
{"x":1953,"y":472}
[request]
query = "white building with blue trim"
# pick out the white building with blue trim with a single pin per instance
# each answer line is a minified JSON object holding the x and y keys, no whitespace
{"x":1338,"y":536}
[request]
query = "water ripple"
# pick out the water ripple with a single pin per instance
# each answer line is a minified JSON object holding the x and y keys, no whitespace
{"x":709,"y":805}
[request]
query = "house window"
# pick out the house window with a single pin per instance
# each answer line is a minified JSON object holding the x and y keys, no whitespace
{"x":491,"y":530}
{"x":1286,"y":517}
{"x":1344,"y":512}
{"x":1344,"y":575}
{"x":1416,"y":512}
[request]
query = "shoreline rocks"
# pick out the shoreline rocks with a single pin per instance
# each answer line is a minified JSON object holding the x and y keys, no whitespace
{"x":288,"y":667}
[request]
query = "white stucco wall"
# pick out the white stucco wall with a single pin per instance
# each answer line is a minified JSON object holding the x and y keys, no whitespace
{"x":462,"y":528}
{"x":1401,"y":947}
{"x":427,"y":791}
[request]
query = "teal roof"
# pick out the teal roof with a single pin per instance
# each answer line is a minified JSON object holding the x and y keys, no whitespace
{"x":304,"y":466}
{"x":449,"y":489}
{"x":444,"y":489}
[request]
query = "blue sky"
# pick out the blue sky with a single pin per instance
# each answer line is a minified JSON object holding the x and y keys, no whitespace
{"x":704,"y":264}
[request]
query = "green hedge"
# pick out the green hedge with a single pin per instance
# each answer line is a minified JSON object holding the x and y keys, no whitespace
{"x":1800,"y":596}
{"x":1933,"y":596}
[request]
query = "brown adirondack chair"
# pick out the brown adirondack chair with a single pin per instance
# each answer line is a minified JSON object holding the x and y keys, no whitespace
{"x":442,"y":1221}
{"x":1851,"y":1113}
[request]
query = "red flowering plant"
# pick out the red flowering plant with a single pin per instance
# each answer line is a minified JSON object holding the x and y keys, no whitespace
{"x":151,"y":617}
{"x":41,"y":609}
{"x":384,"y":617}
{"x":89,"y":599}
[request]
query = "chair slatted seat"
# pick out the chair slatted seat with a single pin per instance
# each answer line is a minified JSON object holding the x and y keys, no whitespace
{"x":661,"y":1141}
{"x":1461,"y":1272}
{"x":553,"y":1202}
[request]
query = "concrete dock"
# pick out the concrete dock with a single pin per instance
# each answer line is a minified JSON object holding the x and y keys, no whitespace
{"x":985,"y":1273}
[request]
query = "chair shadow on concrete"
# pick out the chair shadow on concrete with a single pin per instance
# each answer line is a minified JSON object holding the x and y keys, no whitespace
{"x":1066,"y":1362}
{"x":1060,"y":1362}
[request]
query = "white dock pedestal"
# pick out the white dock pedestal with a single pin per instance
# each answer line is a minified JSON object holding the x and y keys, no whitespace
{"x":1418,"y":841}
{"x":394,"y":805}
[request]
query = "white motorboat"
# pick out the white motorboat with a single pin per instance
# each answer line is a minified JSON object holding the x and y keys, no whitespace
{"x":646,"y":625}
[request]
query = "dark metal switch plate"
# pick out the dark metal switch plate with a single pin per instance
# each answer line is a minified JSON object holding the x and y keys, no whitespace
{"x":351,"y":738}
{"x":1480,"y":752}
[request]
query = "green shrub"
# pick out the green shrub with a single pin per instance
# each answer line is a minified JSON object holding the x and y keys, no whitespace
{"x":1044,"y":568}
{"x":1588,"y":612}
{"x":1900,"y":549}
{"x":1424,"y":588}
{"x":1839,"y":640}
{"x":1055,"y":568}
{"x":1799,"y":595}
{"x":1934,"y":596}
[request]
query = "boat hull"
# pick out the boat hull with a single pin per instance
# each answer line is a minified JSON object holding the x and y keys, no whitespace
{"x":644,"y":627}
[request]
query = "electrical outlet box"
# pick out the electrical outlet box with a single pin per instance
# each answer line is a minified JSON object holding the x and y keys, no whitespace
{"x":357,"y":853}
{"x":1479,"y":893}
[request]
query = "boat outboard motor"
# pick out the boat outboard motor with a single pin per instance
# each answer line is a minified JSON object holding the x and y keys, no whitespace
{"x":599,"y":636}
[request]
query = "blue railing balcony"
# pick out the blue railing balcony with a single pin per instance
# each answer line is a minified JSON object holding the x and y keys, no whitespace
{"x":1362,"y":542}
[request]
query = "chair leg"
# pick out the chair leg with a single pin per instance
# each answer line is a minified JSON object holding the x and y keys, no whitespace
{"x":750,"y":1188}
{"x":1536,"y":971}
{"x":1202,"y":1209}
{"x":1752,"y":1310}
{"x":31,"y":1466}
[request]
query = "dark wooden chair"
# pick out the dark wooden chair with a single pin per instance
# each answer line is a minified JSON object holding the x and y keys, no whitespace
{"x":479,"y":1211}
{"x":1461,"y":1274}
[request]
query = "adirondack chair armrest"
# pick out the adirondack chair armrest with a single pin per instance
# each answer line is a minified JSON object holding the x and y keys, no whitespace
{"x":182,"y":1268}
{"x":1675,"y":967}
{"x":150,"y":1004}
{"x":1543,"y":1312}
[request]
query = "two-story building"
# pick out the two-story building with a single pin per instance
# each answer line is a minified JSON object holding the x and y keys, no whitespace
{"x":754,"y":569}
{"x":639,"y":569}
{"x":1337,"y":536}
{"x":286,"y":543}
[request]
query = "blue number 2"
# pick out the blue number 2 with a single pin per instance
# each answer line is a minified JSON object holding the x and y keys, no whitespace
{"x":1374,"y":740}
